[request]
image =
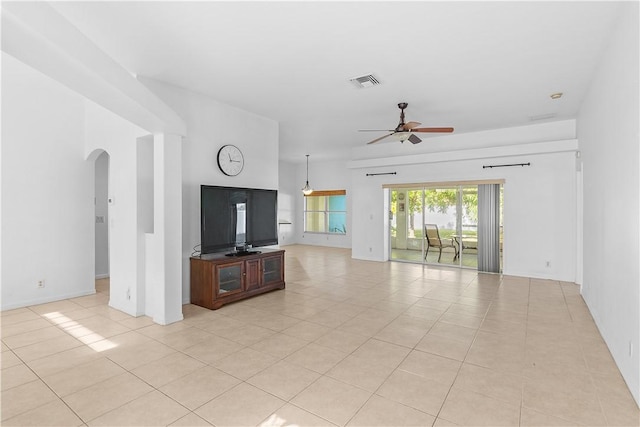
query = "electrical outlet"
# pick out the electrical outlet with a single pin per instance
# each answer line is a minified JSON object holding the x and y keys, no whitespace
{"x":548,"y":264}
{"x":41,"y":283}
{"x":370,"y":249}
{"x":128,"y":293}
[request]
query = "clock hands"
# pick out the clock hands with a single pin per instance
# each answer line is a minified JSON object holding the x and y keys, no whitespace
{"x":230,"y":160}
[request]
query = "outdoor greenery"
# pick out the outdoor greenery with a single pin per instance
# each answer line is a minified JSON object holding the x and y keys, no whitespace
{"x":437,"y":200}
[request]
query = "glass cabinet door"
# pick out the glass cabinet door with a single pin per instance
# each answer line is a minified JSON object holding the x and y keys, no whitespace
{"x":229,"y":278}
{"x":272,"y":268}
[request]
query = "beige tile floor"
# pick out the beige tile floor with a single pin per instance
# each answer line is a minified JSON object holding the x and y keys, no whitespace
{"x":346,"y":343}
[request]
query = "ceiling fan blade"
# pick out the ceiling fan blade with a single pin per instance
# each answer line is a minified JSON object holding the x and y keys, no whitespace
{"x":414,"y":139}
{"x":381,"y":138}
{"x":411,"y":125}
{"x":433,"y":130}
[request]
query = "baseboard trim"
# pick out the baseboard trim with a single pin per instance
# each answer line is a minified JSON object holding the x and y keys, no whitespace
{"x":44,"y":300}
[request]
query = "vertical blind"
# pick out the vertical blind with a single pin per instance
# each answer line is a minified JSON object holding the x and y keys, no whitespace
{"x":489,"y":228}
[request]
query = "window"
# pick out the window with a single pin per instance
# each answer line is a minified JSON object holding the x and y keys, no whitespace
{"x":326,"y":212}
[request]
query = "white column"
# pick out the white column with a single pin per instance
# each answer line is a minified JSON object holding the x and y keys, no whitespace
{"x":164,"y":246}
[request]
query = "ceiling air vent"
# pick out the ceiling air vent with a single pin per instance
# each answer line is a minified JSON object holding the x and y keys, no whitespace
{"x":365,"y":81}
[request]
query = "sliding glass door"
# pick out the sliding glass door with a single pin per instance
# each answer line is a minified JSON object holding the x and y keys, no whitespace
{"x":467,"y":235}
{"x":441,"y":225}
{"x":406,"y":219}
{"x":455,"y":225}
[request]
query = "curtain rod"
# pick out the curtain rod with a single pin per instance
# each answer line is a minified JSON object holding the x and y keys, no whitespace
{"x":505,"y":166}
{"x":381,"y":173}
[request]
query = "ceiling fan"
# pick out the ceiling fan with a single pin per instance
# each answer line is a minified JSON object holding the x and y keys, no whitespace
{"x":405,"y":131}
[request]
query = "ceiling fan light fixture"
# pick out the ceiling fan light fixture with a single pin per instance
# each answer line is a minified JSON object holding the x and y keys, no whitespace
{"x":306,"y":190}
{"x":402,"y":136}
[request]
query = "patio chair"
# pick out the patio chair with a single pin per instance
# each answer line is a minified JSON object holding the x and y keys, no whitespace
{"x":432,"y":235}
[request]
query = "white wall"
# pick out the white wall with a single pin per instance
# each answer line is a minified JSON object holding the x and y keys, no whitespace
{"x":539,"y":200}
{"x":288,"y":190}
{"x":47,"y":190}
{"x":51,"y":140}
{"x":211,"y":125}
{"x":609,"y":138}
{"x":106,"y":131}
{"x":102,"y":215}
{"x":325,"y":175}
{"x":145,"y":190}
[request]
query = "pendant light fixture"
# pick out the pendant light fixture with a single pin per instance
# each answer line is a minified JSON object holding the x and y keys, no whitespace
{"x":306,"y":190}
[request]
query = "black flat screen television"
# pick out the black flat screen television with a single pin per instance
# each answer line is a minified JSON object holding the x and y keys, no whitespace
{"x":236,"y":219}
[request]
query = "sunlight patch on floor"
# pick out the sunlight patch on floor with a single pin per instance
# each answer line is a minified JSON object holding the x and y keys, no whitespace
{"x":275,"y":421}
{"x":96,"y":341}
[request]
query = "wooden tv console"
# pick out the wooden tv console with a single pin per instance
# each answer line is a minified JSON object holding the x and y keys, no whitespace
{"x":217,"y":279}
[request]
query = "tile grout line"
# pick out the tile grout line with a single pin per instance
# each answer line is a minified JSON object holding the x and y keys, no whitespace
{"x":61,"y":398}
{"x":374,"y":393}
{"x":414,"y":349}
{"x":526,"y":333}
{"x":582,"y":353}
{"x":46,"y":384}
{"x":368,"y":339}
{"x":475,"y":335}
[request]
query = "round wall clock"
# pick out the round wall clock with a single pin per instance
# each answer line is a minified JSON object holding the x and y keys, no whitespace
{"x":230,"y":160}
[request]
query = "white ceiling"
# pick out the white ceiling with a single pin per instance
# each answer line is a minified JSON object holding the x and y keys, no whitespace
{"x":470,"y":65}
